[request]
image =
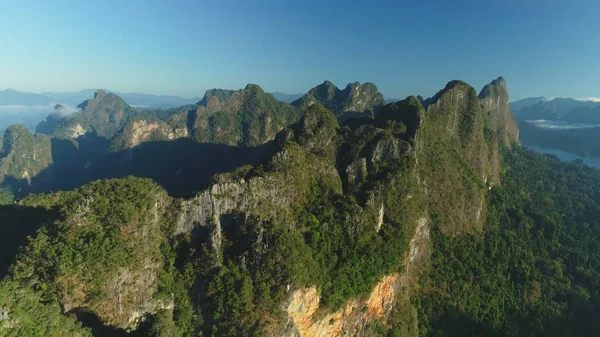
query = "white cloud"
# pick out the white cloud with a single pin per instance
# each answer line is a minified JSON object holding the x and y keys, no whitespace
{"x":35,"y":109}
{"x":591,"y":99}
{"x":30,"y":116}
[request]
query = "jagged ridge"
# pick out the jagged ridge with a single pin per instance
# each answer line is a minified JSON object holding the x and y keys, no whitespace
{"x":355,"y":100}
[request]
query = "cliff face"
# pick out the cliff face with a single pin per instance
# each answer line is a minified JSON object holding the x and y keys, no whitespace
{"x":138,"y":131}
{"x":355,"y":316}
{"x":458,"y":150}
{"x":355,"y":100}
{"x":494,"y":98}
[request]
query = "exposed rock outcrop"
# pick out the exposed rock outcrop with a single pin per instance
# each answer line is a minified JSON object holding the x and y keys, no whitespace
{"x":139,"y":131}
{"x":494,"y":98}
{"x":353,"y":319}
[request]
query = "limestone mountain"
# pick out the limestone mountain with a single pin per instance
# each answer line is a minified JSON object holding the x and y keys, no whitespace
{"x":426,"y":220}
{"x":246,"y":117}
{"x":355,"y":100}
{"x":221,"y":94}
{"x":494,"y":98}
{"x":328,"y":235}
{"x":102,"y":116}
{"x":152,"y":143}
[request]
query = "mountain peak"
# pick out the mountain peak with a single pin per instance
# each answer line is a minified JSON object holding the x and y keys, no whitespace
{"x":221,"y":94}
{"x":499,"y":81}
{"x":103,"y":115}
{"x":353,"y":85}
{"x":250,"y":87}
{"x":449,"y":86}
{"x":355,"y":100}
{"x":494,"y":99}
{"x":99,"y":94}
{"x":496,"y":88}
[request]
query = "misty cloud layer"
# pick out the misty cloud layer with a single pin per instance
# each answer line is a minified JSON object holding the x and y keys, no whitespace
{"x":30,"y":116}
{"x":559,"y":125}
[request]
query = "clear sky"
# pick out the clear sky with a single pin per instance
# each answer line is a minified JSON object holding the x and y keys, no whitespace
{"x":541,"y":47}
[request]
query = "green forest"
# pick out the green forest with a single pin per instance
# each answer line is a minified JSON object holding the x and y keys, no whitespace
{"x":533,"y":270}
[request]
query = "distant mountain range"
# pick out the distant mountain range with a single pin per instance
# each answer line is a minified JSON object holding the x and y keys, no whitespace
{"x":13,"y":97}
{"x":560,"y":109}
{"x":29,"y":109}
{"x":570,"y":125}
{"x":288,"y":98}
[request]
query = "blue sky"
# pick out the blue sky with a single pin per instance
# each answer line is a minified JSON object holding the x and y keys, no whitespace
{"x":405,"y":47}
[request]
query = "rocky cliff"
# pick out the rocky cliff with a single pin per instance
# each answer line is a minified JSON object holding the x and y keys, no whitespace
{"x":138,"y":131}
{"x":494,"y":98}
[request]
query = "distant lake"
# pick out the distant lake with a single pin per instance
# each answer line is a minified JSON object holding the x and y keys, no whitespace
{"x":565,"y":156}
{"x":552,"y":124}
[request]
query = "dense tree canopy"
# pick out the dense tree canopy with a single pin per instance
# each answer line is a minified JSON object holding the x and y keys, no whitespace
{"x":533,"y":270}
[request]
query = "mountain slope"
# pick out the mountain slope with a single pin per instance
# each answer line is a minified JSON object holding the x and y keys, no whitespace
{"x":150,"y":143}
{"x":531,"y":271}
{"x":88,"y":256}
{"x":246,"y":117}
{"x":24,"y":155}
